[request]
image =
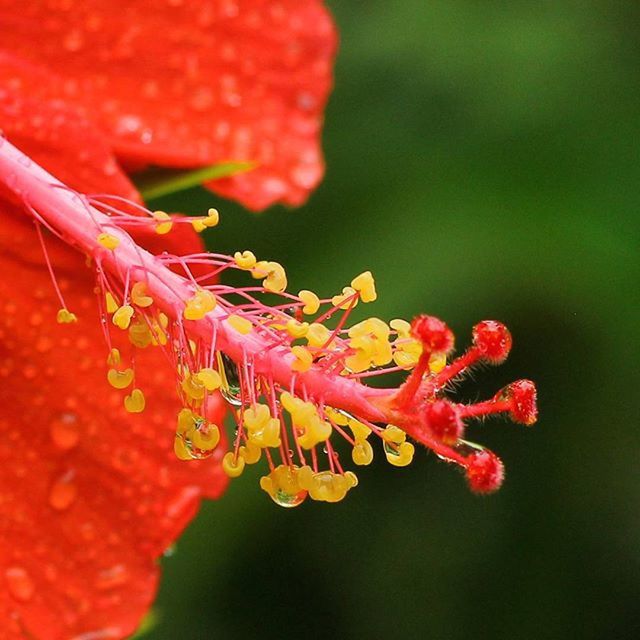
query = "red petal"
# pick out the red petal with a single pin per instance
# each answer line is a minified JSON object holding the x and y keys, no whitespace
{"x":191,"y":83}
{"x":57,"y":136}
{"x":93,"y":495}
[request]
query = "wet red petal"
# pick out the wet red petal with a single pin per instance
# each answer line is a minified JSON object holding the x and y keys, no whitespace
{"x":93,"y":494}
{"x":57,"y":136}
{"x":190,"y":83}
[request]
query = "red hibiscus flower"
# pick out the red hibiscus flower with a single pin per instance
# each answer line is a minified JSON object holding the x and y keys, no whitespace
{"x":92,"y":495}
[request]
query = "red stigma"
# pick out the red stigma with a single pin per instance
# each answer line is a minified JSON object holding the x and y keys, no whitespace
{"x":493,"y":341}
{"x":485,"y":472}
{"x":522,"y":395}
{"x":434,"y":334}
{"x":443,"y":422}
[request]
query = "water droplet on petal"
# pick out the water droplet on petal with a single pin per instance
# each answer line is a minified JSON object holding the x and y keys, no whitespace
{"x":64,"y":431}
{"x":63,"y":492}
{"x":20,"y":584}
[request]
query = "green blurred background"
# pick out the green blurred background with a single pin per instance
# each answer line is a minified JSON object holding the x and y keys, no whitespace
{"x":484,"y":162}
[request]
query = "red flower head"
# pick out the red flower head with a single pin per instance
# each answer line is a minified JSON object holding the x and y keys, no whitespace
{"x":89,"y":479}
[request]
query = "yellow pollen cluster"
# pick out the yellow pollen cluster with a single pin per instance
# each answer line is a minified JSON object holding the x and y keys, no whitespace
{"x":111,"y":303}
{"x":311,"y":302}
{"x":263,"y":429}
{"x":139,"y":295}
{"x":365,"y":285}
{"x":245,"y":260}
{"x":398,"y":452}
{"x":317,"y":335}
{"x":345,"y":300}
{"x":199,"y":305}
{"x":303,"y":359}
{"x":297,"y":329}
{"x":288,"y":486}
{"x":205,"y":222}
{"x":272,"y":274}
{"x":120,"y":379}
{"x":362,"y":452}
{"x":64,"y":316}
{"x":164,"y":222}
{"x":135,"y":401}
{"x":370,"y":341}
{"x":240,"y":324}
{"x":196,"y":385}
{"x":108,"y":241}
{"x":196,"y":438}
{"x":311,"y":430}
{"x":122,"y":316}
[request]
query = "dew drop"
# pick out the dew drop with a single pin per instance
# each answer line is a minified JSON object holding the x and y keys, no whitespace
{"x":73,"y":41}
{"x":112,"y":577}
{"x":64,"y":431}
{"x":230,"y":388}
{"x":20,"y":584}
{"x":288,"y":500}
{"x":63,"y":492}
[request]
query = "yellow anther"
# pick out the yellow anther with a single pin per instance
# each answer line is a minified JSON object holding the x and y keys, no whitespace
{"x":402,"y":327}
{"x":140,"y":334}
{"x":337,"y":417}
{"x":245,"y":260}
{"x":164,"y":222}
{"x":406,"y":358}
{"x":393,"y":435}
{"x":263,"y":429}
{"x":297,"y":329}
{"x":240,"y":324}
{"x":192,"y":387}
{"x":199,"y":305}
{"x":370,"y":342}
{"x":360,"y":431}
{"x":209,"y":378}
{"x":317,"y":335}
{"x":134,"y":402}
{"x":326,"y":485}
{"x":251,"y":452}
{"x":362,"y":453}
{"x":233,"y":466}
{"x":275,"y":277}
{"x":139,"y":295}
{"x":180,"y":448}
{"x":315,"y":431}
{"x":213,"y":217}
{"x":346,"y":299}
{"x":400,"y":456}
{"x":256,"y":416}
{"x":122,"y":317}
{"x":303,"y":360}
{"x":204,"y":222}
{"x":113,"y":359}
{"x":108,"y":241}
{"x":365,"y":285}
{"x":205,"y":438}
{"x":437,"y":362}
{"x":187,"y":420}
{"x":110,"y":302}
{"x":311,"y":302}
{"x":283,"y":486}
{"x":64,"y":316}
{"x":120,"y":379}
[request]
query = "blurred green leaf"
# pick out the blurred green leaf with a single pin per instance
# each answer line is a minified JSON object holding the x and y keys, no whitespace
{"x":157,"y":182}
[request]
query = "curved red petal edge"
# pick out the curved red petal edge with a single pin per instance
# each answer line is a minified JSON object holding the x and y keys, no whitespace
{"x":190,"y":84}
{"x":94,"y":495}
